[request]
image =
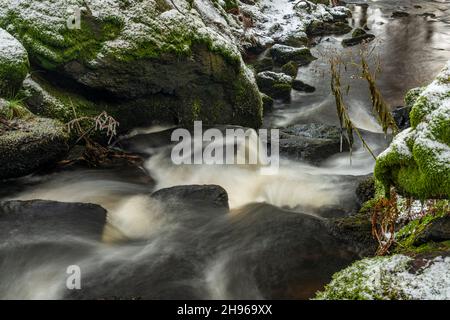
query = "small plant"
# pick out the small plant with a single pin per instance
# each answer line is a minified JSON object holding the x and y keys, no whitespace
{"x":14,"y":107}
{"x":344,"y":119}
{"x":96,"y":154}
{"x":101,"y":123}
{"x":380,"y":106}
{"x":384,"y":218}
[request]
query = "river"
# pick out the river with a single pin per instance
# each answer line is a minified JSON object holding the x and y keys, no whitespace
{"x":270,"y":244}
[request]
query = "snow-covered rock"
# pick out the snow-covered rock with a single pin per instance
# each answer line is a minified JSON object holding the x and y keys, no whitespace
{"x":393,"y":277}
{"x":417,"y":162}
{"x":13,"y":64}
{"x":177,"y":59}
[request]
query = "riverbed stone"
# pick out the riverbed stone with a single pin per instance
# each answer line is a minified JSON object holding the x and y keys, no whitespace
{"x":275,"y":85}
{"x":313,"y":142}
{"x":358,"y":36}
{"x":34,"y":219}
{"x":206,"y":196}
{"x":282,"y":54}
{"x":290,"y":68}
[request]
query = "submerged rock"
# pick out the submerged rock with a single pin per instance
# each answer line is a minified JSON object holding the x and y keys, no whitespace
{"x":417,"y":162}
{"x":275,"y":85}
{"x":400,"y":14}
{"x":31,"y":144}
{"x":13,"y":64}
{"x":311,"y":142}
{"x":157,"y":60}
{"x":200,"y":196}
{"x":301,"y":86}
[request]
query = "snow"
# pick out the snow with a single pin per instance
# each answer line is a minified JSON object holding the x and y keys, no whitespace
{"x":11,"y":50}
{"x":391,"y":278}
{"x":278,"y":19}
{"x":423,"y":137}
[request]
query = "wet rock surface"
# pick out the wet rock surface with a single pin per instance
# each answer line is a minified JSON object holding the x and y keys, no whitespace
{"x":41,"y":219}
{"x":30,"y":145}
{"x":311,"y":142}
{"x":358,"y":36}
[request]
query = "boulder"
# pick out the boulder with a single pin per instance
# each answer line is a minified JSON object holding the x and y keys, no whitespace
{"x":267,"y":103}
{"x":365,"y":189}
{"x":282,"y":54}
{"x":399,"y":14}
{"x":263,"y":64}
{"x":200,"y":196}
{"x":13,"y":64}
{"x":275,"y":85}
{"x":437,"y":231}
{"x":358,"y":36}
{"x":31,"y":144}
{"x":322,"y":28}
{"x":290,"y":68}
{"x":41,"y":219}
{"x":145,"y":61}
{"x":417,"y":162}
{"x":396,"y":277}
{"x":301,"y":86}
{"x":311,"y":142}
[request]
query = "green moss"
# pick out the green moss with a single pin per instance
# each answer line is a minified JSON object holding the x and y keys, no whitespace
{"x":196,"y":109}
{"x":50,"y":51}
{"x":290,"y":68}
{"x":358,"y":32}
{"x":406,"y":237}
{"x":230,"y":5}
{"x":412,"y":95}
{"x":357,"y":282}
{"x":247,"y":102}
{"x":422,"y":172}
{"x":15,"y":109}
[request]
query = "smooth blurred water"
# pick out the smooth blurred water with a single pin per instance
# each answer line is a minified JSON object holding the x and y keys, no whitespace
{"x":264,"y":248}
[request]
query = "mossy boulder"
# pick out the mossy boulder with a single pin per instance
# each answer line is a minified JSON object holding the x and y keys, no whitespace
{"x":13,"y":64}
{"x":321,"y":28}
{"x":275,"y":85}
{"x":165,"y":58}
{"x":282,"y":54}
{"x":397,"y":277}
{"x":30,"y":144}
{"x":267,"y":103}
{"x":358,"y":36}
{"x":417,"y":162}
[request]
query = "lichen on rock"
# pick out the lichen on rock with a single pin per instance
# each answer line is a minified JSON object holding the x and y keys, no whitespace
{"x":417,"y":162}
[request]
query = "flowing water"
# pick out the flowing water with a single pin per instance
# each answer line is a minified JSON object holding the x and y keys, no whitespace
{"x":272,"y":244}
